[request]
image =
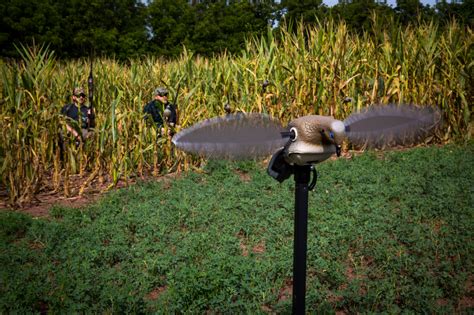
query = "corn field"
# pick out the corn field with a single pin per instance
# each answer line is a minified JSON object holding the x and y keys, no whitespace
{"x":315,"y":70}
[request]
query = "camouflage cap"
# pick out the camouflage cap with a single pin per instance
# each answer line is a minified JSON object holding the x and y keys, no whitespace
{"x":78,"y":91}
{"x":161,"y":91}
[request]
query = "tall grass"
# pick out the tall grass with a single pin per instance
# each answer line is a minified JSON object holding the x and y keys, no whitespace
{"x":310,"y":71}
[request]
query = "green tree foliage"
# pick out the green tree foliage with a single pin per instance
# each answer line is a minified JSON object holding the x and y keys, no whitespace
{"x":25,"y":21}
{"x":169,"y":25}
{"x":130,"y":28}
{"x":306,"y":11}
{"x":74,"y":28}
{"x":463,"y":12}
{"x":207,"y":27}
{"x":106,"y":27}
{"x":412,"y":11}
{"x":224,"y":25}
{"x":358,"y":13}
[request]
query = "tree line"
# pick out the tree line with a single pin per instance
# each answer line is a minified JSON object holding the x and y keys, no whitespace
{"x":132,"y":28}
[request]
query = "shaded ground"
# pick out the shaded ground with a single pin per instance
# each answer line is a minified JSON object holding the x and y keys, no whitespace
{"x":47,"y":198}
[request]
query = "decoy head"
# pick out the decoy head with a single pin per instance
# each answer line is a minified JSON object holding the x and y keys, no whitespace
{"x":314,"y":139}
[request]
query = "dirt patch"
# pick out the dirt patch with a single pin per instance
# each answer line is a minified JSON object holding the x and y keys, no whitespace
{"x":155,"y":293}
{"x":48,"y":197}
{"x":259,"y":248}
{"x":243,"y":248}
{"x":244,"y":176}
{"x":286,"y":290}
{"x":467,"y":301}
{"x":43,"y":203}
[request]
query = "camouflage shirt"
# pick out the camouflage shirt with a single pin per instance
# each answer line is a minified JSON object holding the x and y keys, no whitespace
{"x":155,"y":109}
{"x":85,"y":119}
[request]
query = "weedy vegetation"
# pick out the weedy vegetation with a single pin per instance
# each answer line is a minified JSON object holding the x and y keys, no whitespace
{"x":388,"y":232}
{"x":311,"y":71}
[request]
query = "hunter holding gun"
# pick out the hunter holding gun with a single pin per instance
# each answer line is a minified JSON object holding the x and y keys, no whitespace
{"x":161,"y":111}
{"x":80,"y":117}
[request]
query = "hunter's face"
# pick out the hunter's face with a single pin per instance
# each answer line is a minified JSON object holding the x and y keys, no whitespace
{"x":80,"y":98}
{"x":162,"y":98}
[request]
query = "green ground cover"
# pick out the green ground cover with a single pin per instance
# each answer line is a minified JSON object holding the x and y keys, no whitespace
{"x":388,"y":232}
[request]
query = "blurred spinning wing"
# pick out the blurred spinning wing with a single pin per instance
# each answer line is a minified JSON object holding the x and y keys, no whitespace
{"x":236,"y":136}
{"x":391,"y":125}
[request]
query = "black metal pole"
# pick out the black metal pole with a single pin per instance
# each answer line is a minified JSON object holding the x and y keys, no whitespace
{"x":302,"y":176}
